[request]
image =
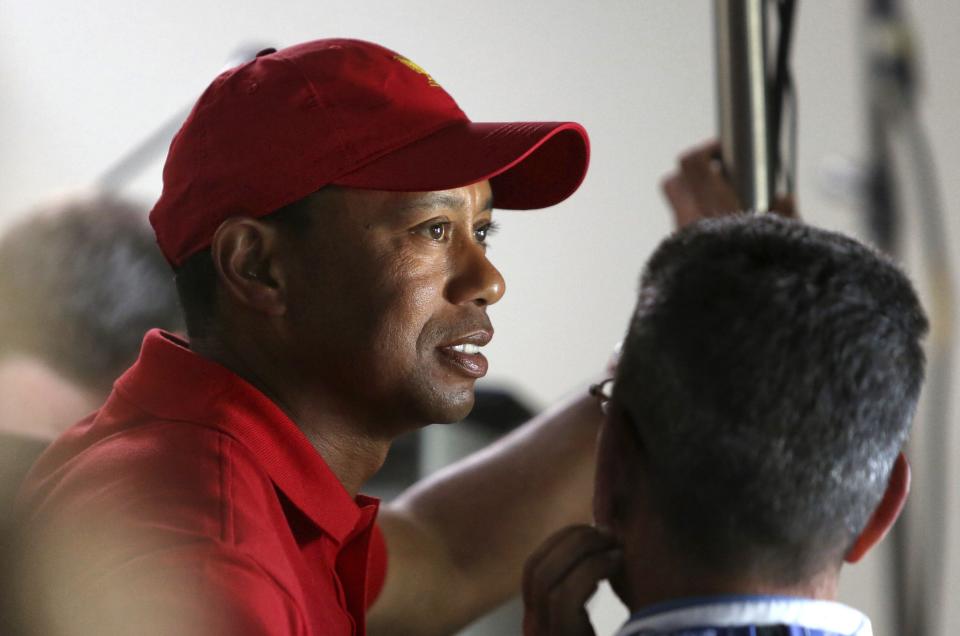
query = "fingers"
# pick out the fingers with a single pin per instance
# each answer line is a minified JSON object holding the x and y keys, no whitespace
{"x":558,"y":554}
{"x":681,"y":200}
{"x":786,"y":206}
{"x":699,"y":189}
{"x":560,"y":577}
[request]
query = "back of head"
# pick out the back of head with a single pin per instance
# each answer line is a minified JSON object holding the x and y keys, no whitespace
{"x":82,"y":281}
{"x":771,"y":372}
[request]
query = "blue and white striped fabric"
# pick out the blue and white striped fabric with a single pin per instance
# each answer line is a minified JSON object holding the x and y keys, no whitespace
{"x":748,"y":616}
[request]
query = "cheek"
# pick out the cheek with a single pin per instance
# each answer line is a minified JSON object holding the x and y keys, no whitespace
{"x":408,"y":298}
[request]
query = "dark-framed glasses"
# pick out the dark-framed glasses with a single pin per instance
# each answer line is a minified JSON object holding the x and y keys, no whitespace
{"x":603,"y":391}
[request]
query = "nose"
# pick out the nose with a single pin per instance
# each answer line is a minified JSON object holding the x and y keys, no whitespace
{"x":475,"y":279}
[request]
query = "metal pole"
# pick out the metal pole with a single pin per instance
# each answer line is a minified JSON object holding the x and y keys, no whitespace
{"x":743,"y":99}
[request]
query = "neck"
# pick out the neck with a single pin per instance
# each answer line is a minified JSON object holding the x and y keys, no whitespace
{"x":339,"y":435}
{"x":655,"y":575}
{"x":37,"y":401}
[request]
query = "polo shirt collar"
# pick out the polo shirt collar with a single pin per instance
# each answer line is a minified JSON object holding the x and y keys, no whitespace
{"x":171,"y":382}
{"x":730,"y":612}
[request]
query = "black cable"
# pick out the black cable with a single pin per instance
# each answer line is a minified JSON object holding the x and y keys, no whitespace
{"x":781,"y":84}
{"x":790,"y":173}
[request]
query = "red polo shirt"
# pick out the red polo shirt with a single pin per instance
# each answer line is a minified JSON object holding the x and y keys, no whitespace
{"x":190,"y":500}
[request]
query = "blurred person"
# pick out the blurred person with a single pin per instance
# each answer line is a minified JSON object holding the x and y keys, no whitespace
{"x":326,"y":209}
{"x":752,"y":443}
{"x":83,"y":281}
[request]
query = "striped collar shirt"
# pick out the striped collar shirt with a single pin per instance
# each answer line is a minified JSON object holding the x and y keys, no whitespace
{"x":748,"y":616}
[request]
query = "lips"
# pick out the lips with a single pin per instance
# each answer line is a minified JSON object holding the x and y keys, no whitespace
{"x":463,"y":353}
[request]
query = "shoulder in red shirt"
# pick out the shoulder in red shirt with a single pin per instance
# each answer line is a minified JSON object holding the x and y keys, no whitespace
{"x":191,"y":503}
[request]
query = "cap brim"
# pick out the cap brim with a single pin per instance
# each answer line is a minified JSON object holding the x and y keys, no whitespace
{"x":529,"y":164}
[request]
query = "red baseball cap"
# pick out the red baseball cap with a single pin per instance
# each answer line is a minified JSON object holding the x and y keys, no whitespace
{"x":350,"y":113}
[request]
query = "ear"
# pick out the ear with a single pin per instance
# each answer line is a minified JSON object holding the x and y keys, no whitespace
{"x":245,"y":254}
{"x":886,"y":512}
{"x":619,"y":493}
{"x":628,"y":433}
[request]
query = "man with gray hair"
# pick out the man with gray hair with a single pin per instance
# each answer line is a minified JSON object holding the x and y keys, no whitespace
{"x":753,"y":440}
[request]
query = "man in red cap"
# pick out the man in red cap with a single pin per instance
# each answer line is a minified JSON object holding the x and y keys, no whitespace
{"x":325,"y":208}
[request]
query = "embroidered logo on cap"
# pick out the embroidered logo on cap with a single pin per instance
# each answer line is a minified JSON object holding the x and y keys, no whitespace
{"x":413,"y":66}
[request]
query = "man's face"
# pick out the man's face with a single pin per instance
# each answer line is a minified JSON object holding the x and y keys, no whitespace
{"x":387,"y":302}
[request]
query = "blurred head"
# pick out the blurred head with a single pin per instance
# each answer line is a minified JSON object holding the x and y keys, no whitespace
{"x":82,"y":282}
{"x":766,"y":386}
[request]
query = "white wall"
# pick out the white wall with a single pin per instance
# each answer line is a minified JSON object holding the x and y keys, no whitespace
{"x":82,"y":81}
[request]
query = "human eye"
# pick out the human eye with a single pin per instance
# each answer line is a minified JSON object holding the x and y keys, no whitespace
{"x":482,"y":232}
{"x":435,"y":230}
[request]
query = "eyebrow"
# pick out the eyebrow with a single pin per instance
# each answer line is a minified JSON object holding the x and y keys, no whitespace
{"x":434,"y":200}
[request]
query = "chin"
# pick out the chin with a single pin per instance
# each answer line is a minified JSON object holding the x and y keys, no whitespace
{"x":451,"y":407}
{"x":454,"y":413}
